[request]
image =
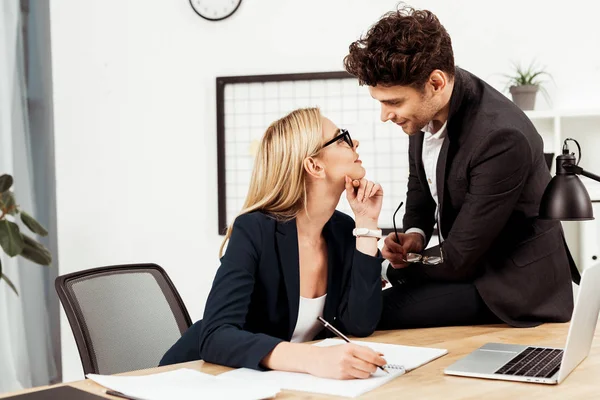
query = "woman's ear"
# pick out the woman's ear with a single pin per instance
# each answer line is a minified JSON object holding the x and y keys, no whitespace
{"x":313,"y":167}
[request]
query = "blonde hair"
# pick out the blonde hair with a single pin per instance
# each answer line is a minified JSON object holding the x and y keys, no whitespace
{"x":278,"y":183}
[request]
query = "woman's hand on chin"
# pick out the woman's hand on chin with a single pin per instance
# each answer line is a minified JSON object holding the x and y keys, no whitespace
{"x":365,"y":198}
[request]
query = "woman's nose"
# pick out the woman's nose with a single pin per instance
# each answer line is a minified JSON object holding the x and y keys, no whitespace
{"x":356,"y":143}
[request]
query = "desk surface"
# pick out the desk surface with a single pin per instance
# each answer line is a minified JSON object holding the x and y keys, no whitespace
{"x":429,"y":381}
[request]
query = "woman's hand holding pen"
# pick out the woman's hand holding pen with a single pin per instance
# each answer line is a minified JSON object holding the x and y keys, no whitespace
{"x":344,"y":361}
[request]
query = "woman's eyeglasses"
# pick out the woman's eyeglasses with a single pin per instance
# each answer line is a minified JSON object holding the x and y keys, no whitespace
{"x":344,"y":135}
{"x":415,"y":257}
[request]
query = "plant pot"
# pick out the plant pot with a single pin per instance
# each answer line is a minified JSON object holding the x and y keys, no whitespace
{"x":524,"y":96}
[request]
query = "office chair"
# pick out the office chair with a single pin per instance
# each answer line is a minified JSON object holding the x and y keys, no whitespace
{"x":123,"y":317}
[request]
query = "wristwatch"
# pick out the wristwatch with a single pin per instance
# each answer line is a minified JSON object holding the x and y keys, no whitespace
{"x":366,"y":232}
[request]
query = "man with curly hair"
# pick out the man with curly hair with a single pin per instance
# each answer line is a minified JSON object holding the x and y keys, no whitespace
{"x":477,"y":169}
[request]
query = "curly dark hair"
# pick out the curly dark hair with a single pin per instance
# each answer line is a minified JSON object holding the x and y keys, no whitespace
{"x":402,"y":48}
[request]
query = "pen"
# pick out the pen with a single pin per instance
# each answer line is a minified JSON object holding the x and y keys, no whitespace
{"x":121,"y":395}
{"x":342,"y":336}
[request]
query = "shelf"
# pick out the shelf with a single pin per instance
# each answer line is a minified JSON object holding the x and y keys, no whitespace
{"x":544,"y":114}
{"x":580,"y":113}
{"x":550,"y":114}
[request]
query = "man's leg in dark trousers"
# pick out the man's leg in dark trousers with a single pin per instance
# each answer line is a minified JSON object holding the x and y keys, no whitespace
{"x":416,"y":301}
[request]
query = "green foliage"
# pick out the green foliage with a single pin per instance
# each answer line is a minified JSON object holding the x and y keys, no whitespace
{"x":8,"y":281}
{"x":8,"y":203}
{"x":6,"y":182}
{"x":33,"y":225}
{"x":12,"y":240}
{"x":532,"y":75}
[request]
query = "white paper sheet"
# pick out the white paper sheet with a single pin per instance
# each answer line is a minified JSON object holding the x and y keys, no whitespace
{"x":313,"y":384}
{"x":407,"y":356}
{"x":186,"y":384}
{"x":410,"y":357}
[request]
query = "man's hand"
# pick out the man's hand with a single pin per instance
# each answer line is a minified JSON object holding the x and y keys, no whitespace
{"x":395,"y":250}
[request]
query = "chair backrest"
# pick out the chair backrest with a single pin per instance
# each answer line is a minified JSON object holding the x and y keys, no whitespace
{"x":123,"y":317}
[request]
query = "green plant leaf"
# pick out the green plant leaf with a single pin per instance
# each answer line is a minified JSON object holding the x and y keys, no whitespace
{"x":526,"y":76}
{"x":7,"y":203}
{"x":11,"y":239}
{"x":535,"y":75}
{"x":6,"y":182}
{"x":35,"y":251}
{"x":9,"y":283}
{"x":33,"y":225}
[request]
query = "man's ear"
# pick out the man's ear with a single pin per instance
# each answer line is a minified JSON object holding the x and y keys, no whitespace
{"x":438,"y":80}
{"x":313,"y":167}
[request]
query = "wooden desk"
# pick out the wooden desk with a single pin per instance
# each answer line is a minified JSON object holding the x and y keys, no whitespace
{"x":429,"y":381}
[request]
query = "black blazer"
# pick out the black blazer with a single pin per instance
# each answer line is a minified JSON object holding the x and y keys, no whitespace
{"x":491,"y":175}
{"x":254,"y":300}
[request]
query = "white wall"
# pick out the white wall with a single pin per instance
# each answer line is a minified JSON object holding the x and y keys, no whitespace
{"x":134,"y":103}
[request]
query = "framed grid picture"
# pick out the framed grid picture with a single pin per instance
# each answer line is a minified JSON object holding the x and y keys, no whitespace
{"x":246,"y":106}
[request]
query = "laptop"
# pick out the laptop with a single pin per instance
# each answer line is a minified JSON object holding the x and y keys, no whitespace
{"x":511,"y":362}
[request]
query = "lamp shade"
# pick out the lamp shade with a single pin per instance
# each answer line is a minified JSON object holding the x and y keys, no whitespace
{"x":566,"y":199}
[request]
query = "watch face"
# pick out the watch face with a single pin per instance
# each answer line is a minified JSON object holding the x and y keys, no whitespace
{"x":215,"y":10}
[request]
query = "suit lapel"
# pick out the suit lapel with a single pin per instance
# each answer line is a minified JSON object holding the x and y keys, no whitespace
{"x":289,"y":263}
{"x":334,"y":278}
{"x":440,"y":173}
{"x":457,"y":100}
{"x":418,"y":157}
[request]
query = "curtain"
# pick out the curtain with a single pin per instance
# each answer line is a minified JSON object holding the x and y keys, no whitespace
{"x":26,"y":351}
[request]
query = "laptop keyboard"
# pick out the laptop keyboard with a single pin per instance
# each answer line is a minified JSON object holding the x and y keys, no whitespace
{"x":536,"y":362}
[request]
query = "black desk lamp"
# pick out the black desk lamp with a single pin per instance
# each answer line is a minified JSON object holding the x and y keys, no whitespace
{"x":565,"y":197}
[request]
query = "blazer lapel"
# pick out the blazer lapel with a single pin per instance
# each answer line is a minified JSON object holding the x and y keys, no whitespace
{"x":334,"y":273}
{"x":457,"y":100}
{"x":289,"y":263}
{"x":440,"y":173}
{"x":418,"y":157}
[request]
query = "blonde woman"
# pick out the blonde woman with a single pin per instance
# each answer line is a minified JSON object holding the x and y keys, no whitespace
{"x":291,"y":257}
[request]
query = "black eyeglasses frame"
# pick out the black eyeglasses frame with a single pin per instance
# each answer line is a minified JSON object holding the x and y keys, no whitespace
{"x":415,"y":257}
{"x":345,"y":135}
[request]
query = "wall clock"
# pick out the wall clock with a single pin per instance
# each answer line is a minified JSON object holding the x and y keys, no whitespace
{"x":215,"y":10}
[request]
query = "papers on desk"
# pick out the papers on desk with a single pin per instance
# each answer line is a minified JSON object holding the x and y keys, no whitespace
{"x":246,"y":383}
{"x":401,"y":359}
{"x":409,"y":357}
{"x":313,"y":384}
{"x":185,"y":384}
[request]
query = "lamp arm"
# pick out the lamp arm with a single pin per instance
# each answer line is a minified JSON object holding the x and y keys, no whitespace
{"x":580,"y":171}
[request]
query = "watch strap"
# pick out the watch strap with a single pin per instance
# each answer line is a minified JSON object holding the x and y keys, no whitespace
{"x":365,"y":232}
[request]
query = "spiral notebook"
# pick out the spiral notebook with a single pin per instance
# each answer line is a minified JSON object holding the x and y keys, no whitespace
{"x":401,"y":359}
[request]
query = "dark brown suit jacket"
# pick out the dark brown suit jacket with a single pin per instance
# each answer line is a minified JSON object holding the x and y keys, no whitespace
{"x":491,"y":175}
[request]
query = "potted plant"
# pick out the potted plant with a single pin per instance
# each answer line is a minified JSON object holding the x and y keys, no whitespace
{"x":524,"y":84}
{"x":12,"y":240}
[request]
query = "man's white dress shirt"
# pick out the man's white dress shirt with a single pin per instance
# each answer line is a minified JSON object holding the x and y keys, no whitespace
{"x":432,"y":144}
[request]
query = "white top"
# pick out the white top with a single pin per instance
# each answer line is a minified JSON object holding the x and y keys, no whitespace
{"x":307,"y":325}
{"x":432,"y":145}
